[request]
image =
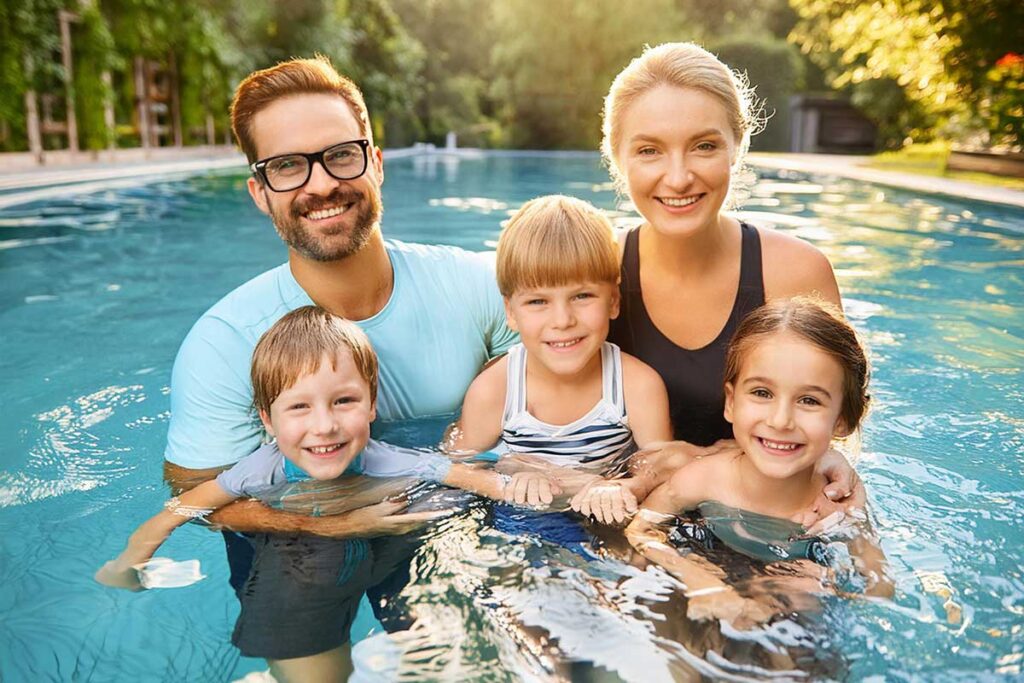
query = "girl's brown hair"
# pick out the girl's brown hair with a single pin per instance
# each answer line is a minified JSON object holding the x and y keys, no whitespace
{"x":821,"y":324}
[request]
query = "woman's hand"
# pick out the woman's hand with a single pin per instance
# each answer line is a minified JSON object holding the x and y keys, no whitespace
{"x":531,"y":489}
{"x":842,"y":478}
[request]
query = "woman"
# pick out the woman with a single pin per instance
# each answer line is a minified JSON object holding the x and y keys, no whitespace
{"x":677,"y":125}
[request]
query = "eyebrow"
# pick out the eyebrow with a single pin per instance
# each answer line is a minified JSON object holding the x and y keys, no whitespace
{"x":640,"y":137}
{"x":807,"y":387}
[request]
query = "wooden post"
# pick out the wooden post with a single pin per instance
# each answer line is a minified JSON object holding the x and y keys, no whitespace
{"x":172,"y":65}
{"x":65,"y":19}
{"x":35,"y":137}
{"x":142,"y":101}
{"x":211,"y":130}
{"x":108,"y":110}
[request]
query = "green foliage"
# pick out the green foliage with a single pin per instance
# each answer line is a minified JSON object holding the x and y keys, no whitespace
{"x":554,"y":67}
{"x":93,"y":49}
{"x":775,"y":70}
{"x":937,"y":53}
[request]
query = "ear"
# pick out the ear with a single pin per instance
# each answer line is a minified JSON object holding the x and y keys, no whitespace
{"x":510,"y":319}
{"x":265,"y":419}
{"x":373,"y":411}
{"x":841,"y":431}
{"x":377,"y":159}
{"x":616,"y":300}
{"x":259,"y":194}
{"x":729,"y":394}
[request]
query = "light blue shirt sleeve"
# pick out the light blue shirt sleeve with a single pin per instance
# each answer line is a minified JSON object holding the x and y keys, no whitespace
{"x":212,"y":420}
{"x":255,"y":474}
{"x":385,"y":460}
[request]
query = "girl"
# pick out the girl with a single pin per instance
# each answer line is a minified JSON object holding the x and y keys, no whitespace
{"x":796,"y":377}
{"x":564,"y":395}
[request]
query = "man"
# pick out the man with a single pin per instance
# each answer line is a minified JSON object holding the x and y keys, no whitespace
{"x":434,"y":314}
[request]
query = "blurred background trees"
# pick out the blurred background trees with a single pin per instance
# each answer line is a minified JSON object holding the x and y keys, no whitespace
{"x":508,"y":73}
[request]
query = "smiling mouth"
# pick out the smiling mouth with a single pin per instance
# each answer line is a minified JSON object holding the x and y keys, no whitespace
{"x":680,"y":202}
{"x":567,"y":344}
{"x":779,"y":447}
{"x":325,"y":451}
{"x":330,"y":212}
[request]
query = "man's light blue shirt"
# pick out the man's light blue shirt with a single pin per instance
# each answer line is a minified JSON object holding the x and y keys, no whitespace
{"x":444,"y":320}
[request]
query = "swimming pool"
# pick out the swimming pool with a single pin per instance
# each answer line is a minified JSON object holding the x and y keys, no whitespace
{"x":99,"y":289}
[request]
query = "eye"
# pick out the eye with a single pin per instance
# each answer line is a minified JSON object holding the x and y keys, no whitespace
{"x":706,"y":146}
{"x":298,"y":406}
{"x":535,"y":302}
{"x":343,"y":400}
{"x":760,"y":392}
{"x":646,"y":151}
{"x":809,"y":401}
{"x":584,"y":295}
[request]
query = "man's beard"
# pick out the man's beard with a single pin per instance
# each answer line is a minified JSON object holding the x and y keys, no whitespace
{"x":367,"y":211}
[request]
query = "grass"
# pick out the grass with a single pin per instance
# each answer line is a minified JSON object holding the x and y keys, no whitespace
{"x":930,"y":159}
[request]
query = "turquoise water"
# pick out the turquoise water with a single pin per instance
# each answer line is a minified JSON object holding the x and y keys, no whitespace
{"x":98,"y":291}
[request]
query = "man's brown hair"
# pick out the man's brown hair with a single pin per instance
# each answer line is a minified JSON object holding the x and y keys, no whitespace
{"x":298,"y":343}
{"x":294,"y":77}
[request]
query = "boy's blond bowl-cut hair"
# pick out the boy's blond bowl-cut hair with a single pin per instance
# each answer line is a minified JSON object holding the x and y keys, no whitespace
{"x":556,"y":240}
{"x":298,"y":343}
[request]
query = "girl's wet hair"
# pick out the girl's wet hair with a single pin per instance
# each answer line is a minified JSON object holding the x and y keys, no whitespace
{"x":821,"y":324}
{"x":556,"y":240}
{"x":298,"y":343}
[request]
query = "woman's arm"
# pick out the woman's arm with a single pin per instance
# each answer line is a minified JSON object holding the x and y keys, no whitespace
{"x":147,"y":539}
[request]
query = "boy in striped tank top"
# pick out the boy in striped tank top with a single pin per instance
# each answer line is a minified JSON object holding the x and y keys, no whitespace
{"x":568,"y":404}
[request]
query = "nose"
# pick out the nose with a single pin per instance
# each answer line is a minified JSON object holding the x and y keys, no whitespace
{"x":678,"y":174}
{"x":781,"y":416}
{"x":324,"y":421}
{"x":563,"y":315}
{"x":320,"y":181}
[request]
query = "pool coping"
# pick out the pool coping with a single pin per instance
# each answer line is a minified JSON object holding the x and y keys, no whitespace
{"x":22,"y":186}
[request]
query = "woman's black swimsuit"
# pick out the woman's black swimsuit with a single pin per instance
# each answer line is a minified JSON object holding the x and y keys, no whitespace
{"x":694,"y":378}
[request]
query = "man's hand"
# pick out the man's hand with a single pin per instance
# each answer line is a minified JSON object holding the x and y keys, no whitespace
{"x":609,"y":502}
{"x":381,"y":519}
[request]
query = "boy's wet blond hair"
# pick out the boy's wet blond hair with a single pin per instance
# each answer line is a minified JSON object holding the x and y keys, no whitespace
{"x":556,"y":240}
{"x":298,"y":343}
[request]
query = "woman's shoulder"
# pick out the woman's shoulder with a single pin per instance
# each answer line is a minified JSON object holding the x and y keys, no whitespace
{"x":793,"y":267}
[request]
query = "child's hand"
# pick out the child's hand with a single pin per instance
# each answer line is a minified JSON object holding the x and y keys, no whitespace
{"x":606,"y":501}
{"x":117,"y":575}
{"x":531,"y":489}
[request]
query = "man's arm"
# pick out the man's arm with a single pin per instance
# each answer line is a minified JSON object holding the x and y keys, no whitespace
{"x":250,"y":516}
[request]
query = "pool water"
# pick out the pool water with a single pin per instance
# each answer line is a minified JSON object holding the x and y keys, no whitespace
{"x":98,"y":290}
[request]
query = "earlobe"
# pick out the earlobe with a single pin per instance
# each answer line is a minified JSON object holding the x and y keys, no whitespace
{"x":729,"y":392}
{"x":841,"y":431}
{"x":614,"y":312}
{"x":258,"y":194}
{"x":265,"y":419}
{"x":510,"y":319}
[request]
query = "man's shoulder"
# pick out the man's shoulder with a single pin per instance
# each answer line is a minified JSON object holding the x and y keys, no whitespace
{"x":415,"y":253}
{"x":251,"y":308}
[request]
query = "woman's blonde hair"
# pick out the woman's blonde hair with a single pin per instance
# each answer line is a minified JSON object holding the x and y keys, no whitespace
{"x":556,"y":240}
{"x":682,"y":65}
{"x":298,"y":343}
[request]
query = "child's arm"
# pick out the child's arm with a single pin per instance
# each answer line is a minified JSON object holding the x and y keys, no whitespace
{"x":613,"y":500}
{"x":479,"y":425}
{"x":868,"y":558}
{"x":144,"y":542}
{"x":709,"y":595}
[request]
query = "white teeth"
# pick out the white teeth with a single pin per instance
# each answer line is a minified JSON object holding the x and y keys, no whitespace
{"x":323,"y":450}
{"x":780,"y":445}
{"x":326,"y":213}
{"x":672,"y":201}
{"x":563,"y":344}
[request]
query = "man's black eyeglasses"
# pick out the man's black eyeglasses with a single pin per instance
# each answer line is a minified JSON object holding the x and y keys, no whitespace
{"x":344,"y":161}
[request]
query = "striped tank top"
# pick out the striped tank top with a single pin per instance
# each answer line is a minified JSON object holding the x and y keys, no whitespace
{"x":597,"y":441}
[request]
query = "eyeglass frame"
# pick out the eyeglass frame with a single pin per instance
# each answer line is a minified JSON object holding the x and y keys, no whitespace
{"x":259,"y":168}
